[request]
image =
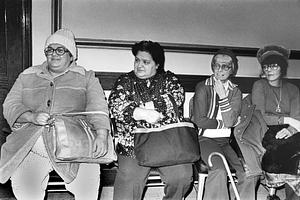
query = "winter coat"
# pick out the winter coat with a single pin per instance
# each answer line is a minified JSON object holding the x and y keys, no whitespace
{"x":249,"y":134}
{"x":36,"y":90}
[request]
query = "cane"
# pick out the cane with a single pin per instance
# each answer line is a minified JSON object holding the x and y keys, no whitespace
{"x":227,"y":169}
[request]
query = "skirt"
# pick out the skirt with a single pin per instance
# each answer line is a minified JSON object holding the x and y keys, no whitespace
{"x":282,"y":155}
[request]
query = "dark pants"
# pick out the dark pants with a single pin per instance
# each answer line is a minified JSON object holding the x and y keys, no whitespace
{"x":131,"y":179}
{"x":216,"y":182}
{"x":290,"y":194}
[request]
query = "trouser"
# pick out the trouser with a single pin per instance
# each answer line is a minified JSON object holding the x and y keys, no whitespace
{"x":30,"y":179}
{"x":290,"y":193}
{"x":131,"y":179}
{"x":216,"y":182}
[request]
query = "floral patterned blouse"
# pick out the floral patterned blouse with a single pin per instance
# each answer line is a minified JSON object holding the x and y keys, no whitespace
{"x":130,"y":92}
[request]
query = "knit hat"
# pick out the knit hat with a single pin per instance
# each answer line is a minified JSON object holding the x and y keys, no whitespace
{"x":64,"y":37}
{"x":273,"y":54}
{"x":228,"y":52}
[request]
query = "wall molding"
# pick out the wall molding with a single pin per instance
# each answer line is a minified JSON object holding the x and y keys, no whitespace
{"x":56,"y":23}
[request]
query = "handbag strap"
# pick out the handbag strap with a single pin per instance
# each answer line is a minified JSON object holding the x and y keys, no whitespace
{"x":174,"y":106}
{"x":81,"y":113}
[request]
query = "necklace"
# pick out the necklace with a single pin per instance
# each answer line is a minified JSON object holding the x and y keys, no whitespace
{"x":278,"y":108}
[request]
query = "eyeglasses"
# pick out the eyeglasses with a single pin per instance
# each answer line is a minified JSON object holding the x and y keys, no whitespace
{"x":225,"y":67}
{"x":59,"y":51}
{"x":269,"y":67}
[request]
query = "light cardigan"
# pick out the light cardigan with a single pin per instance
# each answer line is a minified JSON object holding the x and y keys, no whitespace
{"x":206,"y":104}
{"x":36,"y":90}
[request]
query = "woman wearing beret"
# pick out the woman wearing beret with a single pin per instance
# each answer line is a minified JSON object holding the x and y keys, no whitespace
{"x":279,"y":102}
{"x":58,"y":85}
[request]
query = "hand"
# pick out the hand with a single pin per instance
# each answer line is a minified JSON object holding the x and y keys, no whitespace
{"x":149,"y":115}
{"x":292,"y":122}
{"x":219,"y":88}
{"x":40,"y":118}
{"x":100,"y":144}
{"x":152,"y":116}
{"x":283,"y":134}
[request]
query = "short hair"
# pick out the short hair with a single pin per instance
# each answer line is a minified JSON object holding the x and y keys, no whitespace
{"x":154,"y":49}
{"x":228,"y":52}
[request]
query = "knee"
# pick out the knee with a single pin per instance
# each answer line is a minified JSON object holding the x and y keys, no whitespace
{"x":218,"y":173}
{"x":183,"y":178}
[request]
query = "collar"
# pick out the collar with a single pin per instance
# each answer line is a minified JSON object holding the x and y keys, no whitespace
{"x":42,"y":69}
{"x":228,"y":84}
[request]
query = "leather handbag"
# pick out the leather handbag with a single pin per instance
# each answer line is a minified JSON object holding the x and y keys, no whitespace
{"x":170,"y":144}
{"x":74,"y":137}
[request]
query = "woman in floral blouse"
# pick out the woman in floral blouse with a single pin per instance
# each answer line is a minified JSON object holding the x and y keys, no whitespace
{"x":140,"y":98}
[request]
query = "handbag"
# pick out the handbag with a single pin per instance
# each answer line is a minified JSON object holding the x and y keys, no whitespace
{"x":170,"y":144}
{"x":282,"y":156}
{"x":73,"y":139}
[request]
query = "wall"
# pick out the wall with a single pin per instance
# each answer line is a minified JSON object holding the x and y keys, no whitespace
{"x":212,"y":22}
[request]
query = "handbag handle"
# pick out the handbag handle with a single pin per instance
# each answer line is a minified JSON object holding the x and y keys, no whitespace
{"x":51,"y":120}
{"x":80,"y":113}
{"x":174,"y":106}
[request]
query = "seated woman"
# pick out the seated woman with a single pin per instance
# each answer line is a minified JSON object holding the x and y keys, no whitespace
{"x":58,"y":85}
{"x":216,"y":109}
{"x":279,"y":102}
{"x":135,"y":102}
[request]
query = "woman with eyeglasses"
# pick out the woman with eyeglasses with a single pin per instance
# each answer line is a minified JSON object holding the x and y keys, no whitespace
{"x":216,"y":109}
{"x":58,"y":85}
{"x":279,"y":102}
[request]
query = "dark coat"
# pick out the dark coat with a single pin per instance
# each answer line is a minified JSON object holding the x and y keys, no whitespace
{"x":249,"y":134}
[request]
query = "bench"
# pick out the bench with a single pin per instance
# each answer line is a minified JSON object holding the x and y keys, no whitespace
{"x":107,"y":80}
{"x":108,"y":173}
{"x":189,"y":82}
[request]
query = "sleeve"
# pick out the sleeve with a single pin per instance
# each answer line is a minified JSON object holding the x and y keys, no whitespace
{"x":295,"y":107}
{"x":96,"y":101}
{"x":295,"y":103}
{"x":200,"y":107}
{"x":173,"y":88}
{"x":230,"y":109}
{"x":121,"y":102}
{"x":258,"y":99}
{"x":13,"y":107}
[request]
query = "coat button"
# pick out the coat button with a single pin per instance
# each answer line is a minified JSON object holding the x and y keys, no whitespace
{"x":49,"y":103}
{"x":51,"y":84}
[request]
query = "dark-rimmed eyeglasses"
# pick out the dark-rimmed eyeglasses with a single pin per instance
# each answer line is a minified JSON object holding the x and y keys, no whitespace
{"x":225,"y":67}
{"x":269,"y":67}
{"x":58,"y":51}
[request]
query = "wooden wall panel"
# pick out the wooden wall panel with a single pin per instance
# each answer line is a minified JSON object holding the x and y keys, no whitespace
{"x":189,"y":82}
{"x":15,"y":46}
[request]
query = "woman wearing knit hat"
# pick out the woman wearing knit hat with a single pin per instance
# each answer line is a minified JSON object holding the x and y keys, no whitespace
{"x":216,"y":109}
{"x":58,"y":85}
{"x":279,"y":103}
